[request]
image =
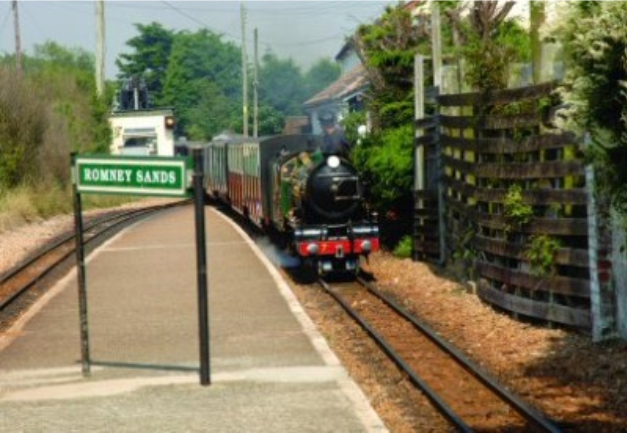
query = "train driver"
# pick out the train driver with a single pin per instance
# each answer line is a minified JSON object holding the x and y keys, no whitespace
{"x":335,"y":141}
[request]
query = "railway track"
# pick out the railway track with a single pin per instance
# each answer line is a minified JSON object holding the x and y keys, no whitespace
{"x":25,"y":278}
{"x":460,"y":390}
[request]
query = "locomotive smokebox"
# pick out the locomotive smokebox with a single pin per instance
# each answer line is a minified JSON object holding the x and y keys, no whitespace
{"x":333,"y":191}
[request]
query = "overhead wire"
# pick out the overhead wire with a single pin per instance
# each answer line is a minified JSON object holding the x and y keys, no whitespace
{"x":192,"y":12}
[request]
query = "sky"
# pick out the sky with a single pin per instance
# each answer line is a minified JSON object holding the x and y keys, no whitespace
{"x":302,"y":30}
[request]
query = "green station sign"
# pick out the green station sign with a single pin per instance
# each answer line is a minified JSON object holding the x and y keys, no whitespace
{"x":156,"y":176}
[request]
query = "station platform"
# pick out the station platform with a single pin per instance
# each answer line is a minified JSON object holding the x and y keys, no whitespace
{"x":270,"y":370}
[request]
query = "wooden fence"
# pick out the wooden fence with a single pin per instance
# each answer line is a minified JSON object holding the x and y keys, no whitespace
{"x":514,"y":200}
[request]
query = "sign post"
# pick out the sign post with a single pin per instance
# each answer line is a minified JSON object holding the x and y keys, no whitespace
{"x":80,"y":265}
{"x":153,"y":176}
{"x":201,"y":261}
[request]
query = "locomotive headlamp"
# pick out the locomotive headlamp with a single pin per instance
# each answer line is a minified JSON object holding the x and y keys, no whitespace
{"x":313,"y":249}
{"x":333,"y":161}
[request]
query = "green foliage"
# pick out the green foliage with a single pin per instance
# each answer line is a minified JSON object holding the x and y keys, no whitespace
{"x":149,"y":59}
{"x":594,"y":38}
{"x":320,"y":75}
{"x":22,"y":127}
{"x":65,"y":79}
{"x":465,"y":250}
{"x":203,"y":76}
{"x":515,"y":211}
{"x":282,"y":85}
{"x":350,"y":125}
{"x":47,"y":112}
{"x":388,"y":47}
{"x":541,"y":254}
{"x":491,"y":43}
{"x":386,"y":160}
{"x":200,"y":76}
{"x":404,"y":248}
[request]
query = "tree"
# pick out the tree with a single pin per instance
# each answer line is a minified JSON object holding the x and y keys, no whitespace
{"x":47,"y":112}
{"x":320,"y":75}
{"x":196,"y":60}
{"x":282,"y":85}
{"x":387,"y":49}
{"x":490,"y":42}
{"x":66,"y":77}
{"x":152,"y":49}
{"x":594,"y":40}
{"x":208,"y":115}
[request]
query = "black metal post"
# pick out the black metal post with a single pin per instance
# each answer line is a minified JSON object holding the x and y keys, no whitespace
{"x":201,"y":262}
{"x":80,"y":267}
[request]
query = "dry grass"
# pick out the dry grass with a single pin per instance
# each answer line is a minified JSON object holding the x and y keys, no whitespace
{"x":29,"y":204}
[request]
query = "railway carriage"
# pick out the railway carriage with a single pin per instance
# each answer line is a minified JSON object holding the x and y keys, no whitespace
{"x":215,"y":164}
{"x":309,"y":202}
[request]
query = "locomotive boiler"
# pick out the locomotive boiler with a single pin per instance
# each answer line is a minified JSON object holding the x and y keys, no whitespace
{"x":311,"y":203}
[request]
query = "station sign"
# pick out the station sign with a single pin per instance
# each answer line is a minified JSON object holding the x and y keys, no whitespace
{"x":132,"y":175}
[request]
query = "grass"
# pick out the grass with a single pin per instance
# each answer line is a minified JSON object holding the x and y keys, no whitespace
{"x":28,"y":204}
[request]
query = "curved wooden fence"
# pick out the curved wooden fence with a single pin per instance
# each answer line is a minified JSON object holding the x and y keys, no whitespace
{"x":515,"y":203}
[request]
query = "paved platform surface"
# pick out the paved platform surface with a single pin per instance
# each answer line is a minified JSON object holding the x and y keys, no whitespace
{"x":270,"y":369}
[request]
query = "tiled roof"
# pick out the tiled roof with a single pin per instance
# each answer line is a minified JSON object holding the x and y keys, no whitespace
{"x":351,"y":82}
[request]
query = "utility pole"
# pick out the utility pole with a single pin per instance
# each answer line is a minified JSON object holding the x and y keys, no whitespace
{"x":100,"y":47}
{"x":436,"y":43}
{"x":537,"y":17}
{"x":18,"y":43}
{"x":244,"y":73}
{"x":256,"y":88}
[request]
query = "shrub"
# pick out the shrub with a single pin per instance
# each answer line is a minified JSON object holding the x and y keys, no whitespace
{"x":541,"y":253}
{"x":404,"y":248}
{"x":386,"y":160}
{"x":516,"y":212}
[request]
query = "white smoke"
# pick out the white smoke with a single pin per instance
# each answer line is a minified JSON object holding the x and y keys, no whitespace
{"x":276,"y":255}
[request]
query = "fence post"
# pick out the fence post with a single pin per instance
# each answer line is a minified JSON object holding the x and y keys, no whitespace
{"x":601,"y":303}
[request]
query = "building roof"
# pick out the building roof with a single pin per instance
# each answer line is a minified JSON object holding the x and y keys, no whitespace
{"x":354,"y":80}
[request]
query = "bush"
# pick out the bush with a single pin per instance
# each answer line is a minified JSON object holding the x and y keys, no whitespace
{"x":386,"y":160}
{"x":22,"y":126}
{"x":404,"y":248}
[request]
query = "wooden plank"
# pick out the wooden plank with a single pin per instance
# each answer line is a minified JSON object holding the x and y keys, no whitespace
{"x":517,"y":171}
{"x":555,"y":284}
{"x":427,"y":247}
{"x":528,"y":120}
{"x":462,"y":208}
{"x":535,"y":196}
{"x":539,"y":170}
{"x":426,"y":122}
{"x":425,"y":140}
{"x":540,"y":310}
{"x":497,"y":97}
{"x":563,"y":256}
{"x":458,"y":122}
{"x":426,"y":194}
{"x":498,"y":122}
{"x":546,"y":226}
{"x":509,"y":146}
{"x":461,"y":187}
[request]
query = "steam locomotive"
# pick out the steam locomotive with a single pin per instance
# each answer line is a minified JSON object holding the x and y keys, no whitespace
{"x":311,"y":203}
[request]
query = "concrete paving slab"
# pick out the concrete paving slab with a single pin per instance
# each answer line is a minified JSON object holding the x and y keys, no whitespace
{"x":270,"y":369}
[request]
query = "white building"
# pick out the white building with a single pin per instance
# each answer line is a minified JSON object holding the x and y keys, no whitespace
{"x":143,"y":132}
